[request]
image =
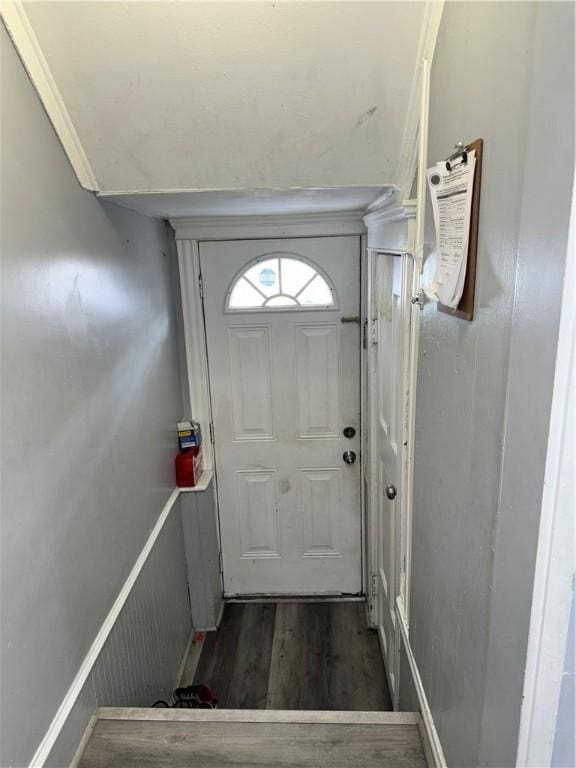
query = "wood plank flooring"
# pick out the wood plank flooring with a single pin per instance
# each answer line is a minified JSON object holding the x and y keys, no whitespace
{"x":126,"y":743}
{"x":305,"y":656}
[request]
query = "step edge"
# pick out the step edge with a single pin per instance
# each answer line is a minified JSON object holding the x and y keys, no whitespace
{"x":257,"y":716}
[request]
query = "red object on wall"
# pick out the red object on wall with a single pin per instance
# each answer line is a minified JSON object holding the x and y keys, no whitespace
{"x":188,"y":467}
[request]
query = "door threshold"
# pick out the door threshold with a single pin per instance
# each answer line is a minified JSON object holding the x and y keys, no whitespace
{"x":295,"y":599}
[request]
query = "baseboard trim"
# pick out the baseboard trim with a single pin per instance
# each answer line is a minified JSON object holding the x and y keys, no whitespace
{"x":220,"y":614}
{"x":184,"y":661}
{"x":192,"y":659}
{"x":430,"y":738}
{"x":47,"y":744}
{"x":83,"y":742}
{"x":391,"y":682}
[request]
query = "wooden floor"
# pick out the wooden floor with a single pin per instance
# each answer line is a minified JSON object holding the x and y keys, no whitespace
{"x":295,"y":656}
{"x":233,"y":738}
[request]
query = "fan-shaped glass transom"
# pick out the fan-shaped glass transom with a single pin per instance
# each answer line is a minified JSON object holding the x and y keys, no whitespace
{"x":281,"y":282}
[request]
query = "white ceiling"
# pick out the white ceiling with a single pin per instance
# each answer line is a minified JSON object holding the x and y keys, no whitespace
{"x":250,"y":202}
{"x":214,"y":95}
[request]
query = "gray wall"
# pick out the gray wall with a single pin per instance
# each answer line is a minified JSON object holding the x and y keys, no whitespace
{"x":484,"y":388}
{"x":90,"y":395}
{"x":141,"y":660}
{"x":548,"y":172}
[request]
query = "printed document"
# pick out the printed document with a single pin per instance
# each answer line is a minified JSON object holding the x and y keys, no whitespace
{"x":451,"y":194}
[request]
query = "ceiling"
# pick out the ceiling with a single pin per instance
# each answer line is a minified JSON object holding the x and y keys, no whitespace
{"x":169,"y":96}
{"x":250,"y":202}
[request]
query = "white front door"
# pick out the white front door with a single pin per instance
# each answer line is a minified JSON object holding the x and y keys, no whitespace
{"x":390,"y":313}
{"x":284,"y":362}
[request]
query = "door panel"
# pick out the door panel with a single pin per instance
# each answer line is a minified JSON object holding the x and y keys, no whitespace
{"x":389,"y":302}
{"x":317,"y":377}
{"x":251,"y":382}
{"x":320,"y":518}
{"x":257,"y":510}
{"x":284,"y":384}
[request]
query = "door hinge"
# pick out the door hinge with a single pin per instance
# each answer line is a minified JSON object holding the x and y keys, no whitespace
{"x":201,"y":286}
{"x":374,"y":585}
{"x":211,"y":427}
{"x":373,"y":331}
{"x":220,"y":562}
{"x":365,"y":334}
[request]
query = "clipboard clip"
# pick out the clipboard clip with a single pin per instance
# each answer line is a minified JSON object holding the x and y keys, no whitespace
{"x":461,"y":152}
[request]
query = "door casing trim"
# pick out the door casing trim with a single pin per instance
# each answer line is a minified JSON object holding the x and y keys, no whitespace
{"x":210,"y":228}
{"x":399,"y":223}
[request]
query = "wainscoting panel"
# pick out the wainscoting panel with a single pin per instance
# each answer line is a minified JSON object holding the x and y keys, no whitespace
{"x":141,"y":659}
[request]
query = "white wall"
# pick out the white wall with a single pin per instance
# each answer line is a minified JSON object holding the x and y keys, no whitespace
{"x":90,"y":396}
{"x":502,"y":72}
{"x":564,"y":750}
{"x":199,"y":95}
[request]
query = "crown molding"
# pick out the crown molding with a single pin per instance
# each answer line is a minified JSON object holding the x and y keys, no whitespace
{"x":262,"y":227}
{"x":394,"y":211}
{"x":24,"y":38}
{"x":391,"y":227}
{"x":426,"y":47}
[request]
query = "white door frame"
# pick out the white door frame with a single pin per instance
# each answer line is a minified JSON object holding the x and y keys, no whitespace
{"x":391,"y":231}
{"x":397,"y":227}
{"x":190,"y":232}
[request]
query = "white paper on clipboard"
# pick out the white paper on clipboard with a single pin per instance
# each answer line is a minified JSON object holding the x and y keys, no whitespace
{"x":451,"y":195}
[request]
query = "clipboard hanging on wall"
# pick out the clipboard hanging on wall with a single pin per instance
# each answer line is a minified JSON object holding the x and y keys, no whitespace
{"x":454,"y":186}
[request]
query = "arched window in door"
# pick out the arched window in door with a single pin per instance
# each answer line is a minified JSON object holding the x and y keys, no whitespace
{"x":280,"y":281}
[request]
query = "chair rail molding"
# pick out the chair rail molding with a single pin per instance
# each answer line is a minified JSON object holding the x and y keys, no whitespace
{"x":24,"y":38}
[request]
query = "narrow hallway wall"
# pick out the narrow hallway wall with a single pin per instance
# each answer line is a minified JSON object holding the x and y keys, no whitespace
{"x":90,"y":396}
{"x":502,"y":72}
{"x":548,"y":172}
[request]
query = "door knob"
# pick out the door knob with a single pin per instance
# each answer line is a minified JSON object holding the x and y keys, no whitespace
{"x":349,"y":457}
{"x":391,"y":492}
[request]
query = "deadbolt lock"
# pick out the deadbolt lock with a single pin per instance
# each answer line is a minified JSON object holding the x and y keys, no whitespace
{"x":349,"y":432}
{"x":391,"y":492}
